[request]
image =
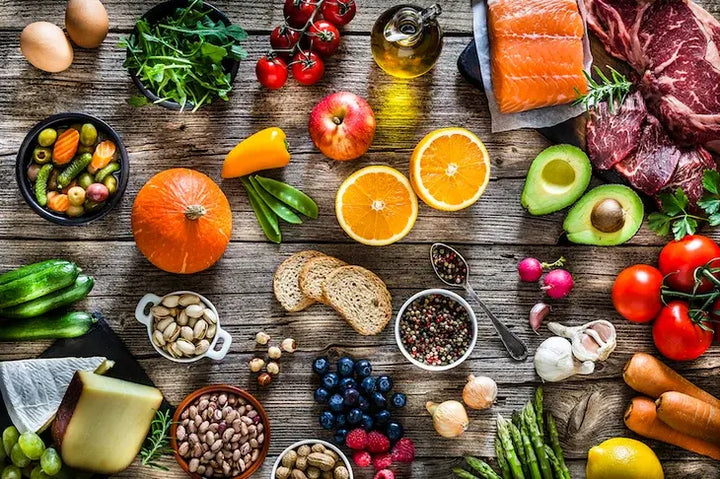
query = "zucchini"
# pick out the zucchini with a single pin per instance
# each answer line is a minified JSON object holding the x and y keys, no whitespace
{"x":28,"y":269}
{"x":57,"y":299}
{"x":37,"y":284}
{"x":65,"y":325}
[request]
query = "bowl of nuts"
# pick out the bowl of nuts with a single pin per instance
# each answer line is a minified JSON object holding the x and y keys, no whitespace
{"x":312,"y":458}
{"x":183,"y":326}
{"x":220,"y":431}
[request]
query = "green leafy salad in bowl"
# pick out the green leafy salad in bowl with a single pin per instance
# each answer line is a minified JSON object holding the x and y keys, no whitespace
{"x":183,"y":55}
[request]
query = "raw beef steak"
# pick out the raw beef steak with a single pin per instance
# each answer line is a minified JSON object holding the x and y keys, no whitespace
{"x":612,"y":136}
{"x":689,"y":172}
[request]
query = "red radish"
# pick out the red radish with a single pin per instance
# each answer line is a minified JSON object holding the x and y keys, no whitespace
{"x":558,"y":283}
{"x":531,"y":269}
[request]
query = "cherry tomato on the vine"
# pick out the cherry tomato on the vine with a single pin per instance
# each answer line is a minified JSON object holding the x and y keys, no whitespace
{"x":323,"y":37}
{"x":636,"y":293}
{"x":339,"y":12}
{"x":284,"y":38}
{"x":271,"y":72}
{"x":298,"y":12}
{"x":678,"y":336}
{"x":307,"y":67}
{"x":679,"y":260}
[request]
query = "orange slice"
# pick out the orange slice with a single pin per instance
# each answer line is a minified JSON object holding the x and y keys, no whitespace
{"x":450,"y":169}
{"x":376,"y":206}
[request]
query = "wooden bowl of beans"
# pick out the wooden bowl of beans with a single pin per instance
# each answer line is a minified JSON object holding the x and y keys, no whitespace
{"x":220,"y":431}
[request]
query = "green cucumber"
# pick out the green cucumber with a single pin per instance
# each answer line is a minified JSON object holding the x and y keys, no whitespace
{"x":57,"y":299}
{"x":105,"y":172}
{"x":35,"y":285}
{"x":73,"y":169}
{"x":41,"y":184}
{"x":65,"y":325}
{"x":29,"y":268}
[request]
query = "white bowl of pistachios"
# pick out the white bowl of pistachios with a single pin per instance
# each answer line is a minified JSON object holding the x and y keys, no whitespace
{"x":183,"y":326}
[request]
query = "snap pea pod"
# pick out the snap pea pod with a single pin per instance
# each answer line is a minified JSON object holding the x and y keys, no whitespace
{"x":41,"y":184}
{"x":266,"y":217}
{"x":105,"y":172}
{"x":292,"y":197}
{"x":75,"y":168}
{"x":274,"y":204}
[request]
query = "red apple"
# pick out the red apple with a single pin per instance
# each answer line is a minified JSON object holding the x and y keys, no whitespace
{"x":342,"y":126}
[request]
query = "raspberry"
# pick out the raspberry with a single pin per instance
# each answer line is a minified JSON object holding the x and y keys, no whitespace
{"x":385,"y":474}
{"x":377,"y":442}
{"x":362,"y":458}
{"x":404,"y":451}
{"x":382,"y":461}
{"x":356,"y":439}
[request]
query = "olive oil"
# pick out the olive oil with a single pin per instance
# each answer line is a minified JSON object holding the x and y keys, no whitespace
{"x":406,"y":40}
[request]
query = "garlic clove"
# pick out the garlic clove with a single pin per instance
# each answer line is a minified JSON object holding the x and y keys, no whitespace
{"x":554,"y":360}
{"x":593,"y":341}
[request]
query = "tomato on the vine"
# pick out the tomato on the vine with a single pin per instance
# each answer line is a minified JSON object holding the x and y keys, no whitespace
{"x":307,"y":67}
{"x":678,"y":336}
{"x":339,"y":12}
{"x":323,"y":37}
{"x":271,"y":72}
{"x":298,"y":12}
{"x":679,"y":260}
{"x":284,"y":38}
{"x":636,"y":293}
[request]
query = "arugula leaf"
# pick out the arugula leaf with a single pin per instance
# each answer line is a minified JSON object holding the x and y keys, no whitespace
{"x":213,"y":52}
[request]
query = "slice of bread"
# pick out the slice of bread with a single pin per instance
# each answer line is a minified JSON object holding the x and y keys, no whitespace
{"x":286,"y":285}
{"x":360,"y":297}
{"x":314,"y":273}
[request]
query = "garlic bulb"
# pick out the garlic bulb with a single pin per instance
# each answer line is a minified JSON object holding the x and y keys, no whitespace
{"x":593,"y":341}
{"x":449,"y":418}
{"x":480,"y":392}
{"x":554,"y":360}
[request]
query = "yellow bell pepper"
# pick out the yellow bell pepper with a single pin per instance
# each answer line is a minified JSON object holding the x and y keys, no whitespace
{"x":265,"y":149}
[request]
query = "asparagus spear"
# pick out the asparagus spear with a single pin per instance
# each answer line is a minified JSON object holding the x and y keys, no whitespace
{"x":463,"y":474}
{"x":507,"y":443}
{"x":502,"y":461}
{"x":554,"y":463}
{"x":538,"y":404}
{"x":530,"y":454}
{"x":482,"y":467}
{"x":537,"y":441}
{"x":517,"y":441}
{"x":555,"y":443}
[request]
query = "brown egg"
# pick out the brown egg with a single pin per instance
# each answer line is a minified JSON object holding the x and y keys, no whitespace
{"x":46,"y":47}
{"x":86,"y":22}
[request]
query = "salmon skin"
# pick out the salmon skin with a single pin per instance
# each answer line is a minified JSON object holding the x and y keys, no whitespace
{"x":536,"y":53}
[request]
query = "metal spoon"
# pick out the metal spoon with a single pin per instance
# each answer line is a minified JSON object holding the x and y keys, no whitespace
{"x":518,"y":350}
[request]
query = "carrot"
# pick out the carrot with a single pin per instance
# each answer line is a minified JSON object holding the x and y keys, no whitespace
{"x":689,"y":415}
{"x":102,"y":157}
{"x":641,"y":418}
{"x":59,"y":203}
{"x":66,"y":146}
{"x":650,"y":376}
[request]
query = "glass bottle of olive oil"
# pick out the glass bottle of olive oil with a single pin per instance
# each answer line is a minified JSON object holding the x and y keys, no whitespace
{"x":406,"y":40}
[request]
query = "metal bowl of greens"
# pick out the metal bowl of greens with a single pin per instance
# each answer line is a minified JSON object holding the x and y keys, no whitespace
{"x":183,"y":55}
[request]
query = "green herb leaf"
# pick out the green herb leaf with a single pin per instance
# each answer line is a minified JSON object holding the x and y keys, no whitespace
{"x":684,"y":226}
{"x":157,"y":441}
{"x":659,"y":223}
{"x":711,"y":181}
{"x":214,"y":53}
{"x":714,"y":220}
{"x":613,"y":89}
{"x":710,"y":204}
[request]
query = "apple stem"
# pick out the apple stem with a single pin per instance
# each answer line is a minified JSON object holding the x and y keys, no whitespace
{"x":337,"y":120}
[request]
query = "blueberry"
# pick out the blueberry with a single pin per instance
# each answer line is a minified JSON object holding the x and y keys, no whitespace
{"x":394,"y":431}
{"x":398,"y":400}
{"x":384,"y":384}
{"x":363,"y":404}
{"x":340,"y":435}
{"x":351,"y":396}
{"x":321,"y":395}
{"x":363,"y":368}
{"x":346,"y":383}
{"x":340,"y":419}
{"x":354,"y":416}
{"x":345,"y":366}
{"x":378,"y":400}
{"x":382,"y":417}
{"x":366,"y":422}
{"x":368,"y":385}
{"x":330,"y":381}
{"x":336,"y":403}
{"x":321,"y":365}
{"x":327,"y":420}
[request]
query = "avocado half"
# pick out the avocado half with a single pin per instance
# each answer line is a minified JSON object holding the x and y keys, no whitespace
{"x":605,"y":216}
{"x":557,"y":178}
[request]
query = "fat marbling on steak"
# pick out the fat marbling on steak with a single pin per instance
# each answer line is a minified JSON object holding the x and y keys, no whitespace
{"x":689,"y":172}
{"x":613,"y":135}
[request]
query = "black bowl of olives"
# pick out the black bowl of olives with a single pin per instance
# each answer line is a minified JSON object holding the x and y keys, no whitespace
{"x":72,"y":169}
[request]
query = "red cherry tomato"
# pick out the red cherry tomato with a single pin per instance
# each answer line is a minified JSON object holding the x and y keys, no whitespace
{"x":298,"y":12}
{"x":679,"y":259}
{"x":284,"y":38}
{"x":339,"y":12}
{"x":323,"y":37}
{"x":636,"y":293}
{"x":271,"y":72}
{"x":307,"y":67}
{"x":678,"y":336}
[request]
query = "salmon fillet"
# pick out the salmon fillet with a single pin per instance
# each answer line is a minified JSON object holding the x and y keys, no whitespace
{"x":536,"y":53}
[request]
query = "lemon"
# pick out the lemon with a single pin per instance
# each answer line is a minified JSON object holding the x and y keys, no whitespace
{"x":623,"y":458}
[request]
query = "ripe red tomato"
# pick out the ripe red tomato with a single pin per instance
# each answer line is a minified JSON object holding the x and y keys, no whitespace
{"x":339,"y":12}
{"x":284,"y":38}
{"x":679,"y":259}
{"x":307,"y":67}
{"x":678,"y":336}
{"x":636,"y":293}
{"x":323,"y":37}
{"x":298,"y":12}
{"x":271,"y":72}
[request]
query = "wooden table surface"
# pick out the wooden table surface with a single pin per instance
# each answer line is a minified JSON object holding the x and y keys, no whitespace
{"x":494,"y":234}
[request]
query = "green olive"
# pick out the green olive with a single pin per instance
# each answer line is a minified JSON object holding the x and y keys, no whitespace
{"x":42,"y":155}
{"x":74,"y":211}
{"x":88,"y":134}
{"x":92,"y":205}
{"x":47,"y":137}
{"x":85,"y":149}
{"x":85,"y":180}
{"x":111,"y":183}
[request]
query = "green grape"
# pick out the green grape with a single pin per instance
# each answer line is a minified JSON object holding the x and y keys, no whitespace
{"x":50,"y":462}
{"x":31,"y":444}
{"x":38,"y":473}
{"x":18,"y":457}
{"x":3,"y":455}
{"x":11,"y":472}
{"x":10,"y":437}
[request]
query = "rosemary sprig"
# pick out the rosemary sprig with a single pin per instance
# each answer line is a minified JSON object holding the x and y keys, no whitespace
{"x":613,"y":89}
{"x":157,"y":442}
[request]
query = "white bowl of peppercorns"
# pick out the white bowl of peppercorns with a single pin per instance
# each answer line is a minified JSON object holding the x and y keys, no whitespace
{"x":436,"y":330}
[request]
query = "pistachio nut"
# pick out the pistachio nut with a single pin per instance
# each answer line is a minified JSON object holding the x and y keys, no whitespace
{"x":186,"y":332}
{"x":159,"y":311}
{"x":194,"y":311}
{"x":200,"y":329}
{"x":202,"y":347}
{"x":170,"y":301}
{"x":163,"y":323}
{"x":209,"y":316}
{"x":188,"y":299}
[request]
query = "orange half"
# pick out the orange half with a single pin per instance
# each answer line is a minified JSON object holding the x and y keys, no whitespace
{"x":450,"y":169}
{"x":376,"y":206}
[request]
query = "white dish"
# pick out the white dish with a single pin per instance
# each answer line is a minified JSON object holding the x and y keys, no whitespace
{"x":311,"y":442}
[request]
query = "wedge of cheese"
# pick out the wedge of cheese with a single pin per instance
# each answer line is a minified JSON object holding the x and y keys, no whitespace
{"x":102,"y":422}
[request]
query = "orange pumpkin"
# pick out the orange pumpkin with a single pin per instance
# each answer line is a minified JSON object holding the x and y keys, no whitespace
{"x":181,"y":221}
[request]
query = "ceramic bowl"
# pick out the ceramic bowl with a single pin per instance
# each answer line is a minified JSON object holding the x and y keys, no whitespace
{"x":24,"y":159}
{"x":311,"y":442}
{"x":473,"y":323}
{"x":142,"y":314}
{"x":220,"y":388}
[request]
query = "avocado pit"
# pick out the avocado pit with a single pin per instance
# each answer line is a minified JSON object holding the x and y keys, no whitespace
{"x":608,"y":216}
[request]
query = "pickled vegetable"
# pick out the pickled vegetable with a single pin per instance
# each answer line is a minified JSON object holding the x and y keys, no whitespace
{"x":88,"y":134}
{"x":41,"y":184}
{"x":85,"y":180}
{"x":42,"y":155}
{"x":47,"y":137}
{"x":108,"y":170}
{"x":75,"y":168}
{"x":32,"y":172}
{"x":76,"y":195}
{"x":111,"y":184}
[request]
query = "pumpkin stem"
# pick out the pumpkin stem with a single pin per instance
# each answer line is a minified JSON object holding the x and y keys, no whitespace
{"x":195,"y":212}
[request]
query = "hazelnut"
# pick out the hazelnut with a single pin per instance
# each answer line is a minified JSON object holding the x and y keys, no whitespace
{"x":256,"y":364}
{"x":264,"y":379}
{"x":273,"y":368}
{"x":274,"y":352}
{"x":262,"y":338}
{"x":288,"y":345}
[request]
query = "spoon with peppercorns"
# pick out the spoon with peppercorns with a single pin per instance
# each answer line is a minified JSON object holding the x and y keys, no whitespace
{"x":453,"y":270}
